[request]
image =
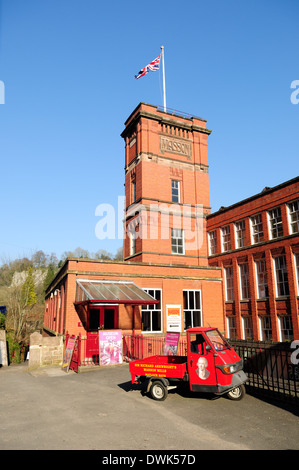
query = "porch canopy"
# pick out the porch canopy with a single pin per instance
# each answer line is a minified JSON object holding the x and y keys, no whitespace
{"x":111,"y":292}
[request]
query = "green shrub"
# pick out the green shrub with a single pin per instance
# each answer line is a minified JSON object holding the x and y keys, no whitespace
{"x":14,"y":348}
{"x":2,"y":321}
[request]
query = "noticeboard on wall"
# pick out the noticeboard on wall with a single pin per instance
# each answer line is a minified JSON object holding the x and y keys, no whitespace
{"x":174,"y":318}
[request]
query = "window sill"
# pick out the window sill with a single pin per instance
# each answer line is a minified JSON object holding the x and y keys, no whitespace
{"x":155,"y":333}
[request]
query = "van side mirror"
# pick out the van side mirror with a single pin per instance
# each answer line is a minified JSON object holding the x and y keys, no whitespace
{"x":208,"y":347}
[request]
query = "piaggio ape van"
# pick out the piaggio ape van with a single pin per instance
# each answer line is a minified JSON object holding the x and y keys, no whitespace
{"x":211,"y":365}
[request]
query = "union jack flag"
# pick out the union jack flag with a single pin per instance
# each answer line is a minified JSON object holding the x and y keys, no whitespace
{"x":153,"y":66}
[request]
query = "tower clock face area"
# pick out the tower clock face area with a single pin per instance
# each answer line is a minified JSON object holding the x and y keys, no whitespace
{"x":166,"y":186}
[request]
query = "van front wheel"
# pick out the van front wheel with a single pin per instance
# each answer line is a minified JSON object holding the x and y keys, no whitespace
{"x":237,"y":393}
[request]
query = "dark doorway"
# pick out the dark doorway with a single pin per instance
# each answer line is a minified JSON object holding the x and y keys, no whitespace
{"x":103,"y":318}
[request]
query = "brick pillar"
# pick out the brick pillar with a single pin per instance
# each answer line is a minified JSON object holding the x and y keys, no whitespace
{"x":237,"y":297}
{"x":253,"y":296}
{"x":272,"y":294}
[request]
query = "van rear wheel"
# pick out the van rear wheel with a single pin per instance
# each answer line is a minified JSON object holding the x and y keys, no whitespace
{"x":158,"y":391}
{"x":237,"y":393}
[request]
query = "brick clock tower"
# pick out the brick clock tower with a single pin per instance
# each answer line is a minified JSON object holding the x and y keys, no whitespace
{"x":166,"y":187}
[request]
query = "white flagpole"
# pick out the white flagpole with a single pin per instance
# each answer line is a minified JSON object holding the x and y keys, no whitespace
{"x":164,"y":88}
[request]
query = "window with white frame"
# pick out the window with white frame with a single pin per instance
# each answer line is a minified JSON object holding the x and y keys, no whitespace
{"x":152,"y":314}
{"x":240,"y":233}
{"x":275,"y":222}
{"x":244,"y":281}
{"x":229,"y":283}
{"x":213,"y":242}
{"x":257,"y":231}
{"x":247,"y":327}
{"x":225,"y":238}
{"x":192,"y":308}
{"x":286,"y":328}
{"x":296,"y":256}
{"x":281,"y":276}
{"x":265,"y":327}
{"x":261,"y":279}
{"x":294,"y":216}
{"x":177,"y":241}
{"x":175,"y":191}
{"x":231,"y":327}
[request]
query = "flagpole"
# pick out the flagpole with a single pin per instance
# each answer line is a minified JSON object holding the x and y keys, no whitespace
{"x":164,"y":88}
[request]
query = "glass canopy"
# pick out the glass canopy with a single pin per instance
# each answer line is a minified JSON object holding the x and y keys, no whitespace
{"x":90,"y":290}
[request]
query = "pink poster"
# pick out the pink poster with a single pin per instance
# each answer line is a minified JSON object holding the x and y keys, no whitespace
{"x":171,"y":344}
{"x":110,"y":347}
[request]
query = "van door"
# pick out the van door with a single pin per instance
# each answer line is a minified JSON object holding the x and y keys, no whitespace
{"x":201,"y":364}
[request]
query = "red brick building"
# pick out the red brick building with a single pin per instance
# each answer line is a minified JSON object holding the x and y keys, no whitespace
{"x":165,"y":282}
{"x":255,"y":242}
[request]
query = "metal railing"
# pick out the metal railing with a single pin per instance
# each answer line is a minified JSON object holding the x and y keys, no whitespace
{"x":270,"y":369}
{"x":141,"y":346}
{"x":175,"y":112}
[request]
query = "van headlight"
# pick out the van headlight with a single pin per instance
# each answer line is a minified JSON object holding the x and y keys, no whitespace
{"x":230,"y":369}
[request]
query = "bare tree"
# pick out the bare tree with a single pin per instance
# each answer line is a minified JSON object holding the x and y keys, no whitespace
{"x":21,"y":300}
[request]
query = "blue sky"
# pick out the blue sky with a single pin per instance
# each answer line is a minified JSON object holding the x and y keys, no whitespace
{"x":68,"y":68}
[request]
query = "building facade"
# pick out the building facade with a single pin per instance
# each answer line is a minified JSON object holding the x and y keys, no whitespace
{"x":165,"y":282}
{"x":256,"y":244}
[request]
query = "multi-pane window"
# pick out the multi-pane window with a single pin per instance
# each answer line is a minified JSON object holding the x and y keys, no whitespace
{"x":261,"y":278}
{"x":275,"y":221}
{"x":286,"y":328}
{"x":281,"y":274}
{"x":152,"y":314}
{"x":265,"y":327}
{"x":294,"y":216}
{"x":240,"y":233}
{"x":244,"y":281}
{"x":175,"y":191}
{"x":192,"y":308}
{"x":231,"y":327}
{"x":247,"y":327}
{"x":213,"y":242}
{"x":229,"y":283}
{"x":257,"y":228}
{"x":177,"y":241}
{"x":225,"y":238}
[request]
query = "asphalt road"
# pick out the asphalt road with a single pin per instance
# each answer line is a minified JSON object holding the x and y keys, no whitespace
{"x":48,"y":409}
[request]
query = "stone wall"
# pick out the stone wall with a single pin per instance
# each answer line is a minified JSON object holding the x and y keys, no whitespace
{"x":45,"y":351}
{"x":3,"y":349}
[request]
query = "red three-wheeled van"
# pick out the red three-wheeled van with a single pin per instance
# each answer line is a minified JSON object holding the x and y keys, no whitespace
{"x":211,"y":365}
